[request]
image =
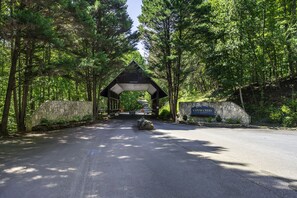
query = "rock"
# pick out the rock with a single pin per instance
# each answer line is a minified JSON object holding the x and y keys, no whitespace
{"x":144,"y":124}
{"x":140,"y":121}
{"x":293,"y":185}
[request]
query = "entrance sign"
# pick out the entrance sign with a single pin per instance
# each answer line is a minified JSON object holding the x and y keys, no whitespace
{"x":203,"y":111}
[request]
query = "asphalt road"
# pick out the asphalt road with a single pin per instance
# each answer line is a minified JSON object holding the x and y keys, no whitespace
{"x":114,"y":159}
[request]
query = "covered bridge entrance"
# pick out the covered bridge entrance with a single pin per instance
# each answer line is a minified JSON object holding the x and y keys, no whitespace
{"x":133,"y":78}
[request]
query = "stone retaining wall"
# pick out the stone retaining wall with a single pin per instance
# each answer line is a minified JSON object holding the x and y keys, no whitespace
{"x":228,"y":111}
{"x":61,"y":110}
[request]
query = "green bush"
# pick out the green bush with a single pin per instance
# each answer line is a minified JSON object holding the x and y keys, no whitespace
{"x":191,"y":120}
{"x":59,"y":122}
{"x":209,"y":119}
{"x":165,"y":114}
{"x":276,"y":116}
{"x":76,"y":118}
{"x":289,"y":121}
{"x":218,"y":118}
{"x":45,"y":121}
{"x":87,"y":118}
{"x":232,"y":121}
{"x":286,"y":114}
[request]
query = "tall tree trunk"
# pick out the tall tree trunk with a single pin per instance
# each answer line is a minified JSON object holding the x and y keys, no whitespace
{"x":177,"y":71}
{"x":288,"y":39}
{"x":95,"y":108}
{"x":32,"y":101}
{"x":241,"y":97}
{"x":16,"y":107}
{"x":76,"y":91}
{"x":89,"y":85}
{"x":168,"y":64}
{"x":49,"y":89}
{"x":240,"y":62}
{"x":293,"y":23}
{"x":26,"y":85}
{"x":15,"y":50}
{"x":262,"y":84}
{"x":98,"y":97}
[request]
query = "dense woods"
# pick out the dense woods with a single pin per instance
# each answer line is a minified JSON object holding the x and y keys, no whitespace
{"x":222,"y":45}
{"x":58,"y":50}
{"x":69,"y":49}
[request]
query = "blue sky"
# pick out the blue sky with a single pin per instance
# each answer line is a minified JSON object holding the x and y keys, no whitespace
{"x":134,"y":10}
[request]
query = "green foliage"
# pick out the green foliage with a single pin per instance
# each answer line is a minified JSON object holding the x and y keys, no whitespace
{"x":44,"y":121}
{"x":165,"y":114}
{"x":218,"y":118}
{"x":47,"y":122}
{"x":67,"y":49}
{"x":76,"y":118}
{"x":129,"y":100}
{"x":232,"y":121}
{"x":87,"y":118}
{"x":134,"y":56}
{"x":191,"y":120}
{"x":209,"y":119}
{"x":168,"y":29}
{"x":64,"y":50}
{"x":286,"y":114}
{"x":290,"y":121}
{"x":276,"y":116}
{"x":60,"y":122}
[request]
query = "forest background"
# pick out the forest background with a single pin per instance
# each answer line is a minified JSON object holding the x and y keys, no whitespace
{"x":244,"y":51}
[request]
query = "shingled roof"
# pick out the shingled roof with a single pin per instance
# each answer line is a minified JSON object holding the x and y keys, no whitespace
{"x":133,"y":78}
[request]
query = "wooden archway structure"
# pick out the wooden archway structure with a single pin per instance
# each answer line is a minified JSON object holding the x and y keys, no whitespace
{"x":133,"y":78}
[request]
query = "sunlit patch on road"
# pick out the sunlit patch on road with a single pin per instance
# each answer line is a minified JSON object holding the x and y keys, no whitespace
{"x":20,"y":170}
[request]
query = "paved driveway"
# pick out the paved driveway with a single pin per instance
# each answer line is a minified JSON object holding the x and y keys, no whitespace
{"x":116,"y":160}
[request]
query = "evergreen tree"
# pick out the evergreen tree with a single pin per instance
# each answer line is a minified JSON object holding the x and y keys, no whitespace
{"x":166,"y":27}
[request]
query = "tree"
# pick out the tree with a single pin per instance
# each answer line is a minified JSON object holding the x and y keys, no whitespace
{"x":113,"y":38}
{"x":165,"y":27}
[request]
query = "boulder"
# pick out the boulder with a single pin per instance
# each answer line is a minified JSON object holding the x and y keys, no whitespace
{"x":144,"y":124}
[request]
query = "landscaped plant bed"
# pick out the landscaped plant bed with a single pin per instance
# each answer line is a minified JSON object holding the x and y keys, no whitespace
{"x":60,"y":126}
{"x":226,"y":125}
{"x":219,"y":124}
{"x":279,"y":128}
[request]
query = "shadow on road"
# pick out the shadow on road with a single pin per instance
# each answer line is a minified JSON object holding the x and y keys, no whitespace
{"x":98,"y":160}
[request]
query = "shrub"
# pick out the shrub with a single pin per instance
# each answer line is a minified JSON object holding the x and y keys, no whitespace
{"x":191,"y":120}
{"x":45,"y":121}
{"x":286,"y":110}
{"x":289,"y":121}
{"x":87,"y":118}
{"x":209,"y":119}
{"x":76,"y":118}
{"x":276,"y":116}
{"x":232,"y":121}
{"x":165,"y":114}
{"x":218,"y":118}
{"x":59,"y":122}
{"x":286,"y":114}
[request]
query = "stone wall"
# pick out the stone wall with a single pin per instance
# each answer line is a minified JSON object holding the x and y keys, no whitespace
{"x":61,"y":110}
{"x":228,"y":111}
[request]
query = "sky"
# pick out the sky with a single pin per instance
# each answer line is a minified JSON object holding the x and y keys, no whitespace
{"x":134,"y":10}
